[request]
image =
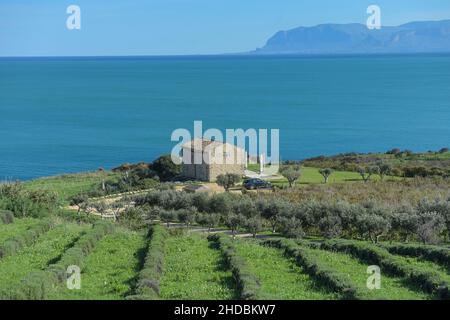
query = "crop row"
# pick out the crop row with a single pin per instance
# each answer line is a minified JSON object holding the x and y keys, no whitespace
{"x":39,"y":284}
{"x":316,"y":269}
{"x":427,"y":280}
{"x":248,"y":285}
{"x":14,"y":244}
{"x":439,"y":255}
{"x":148,"y":287}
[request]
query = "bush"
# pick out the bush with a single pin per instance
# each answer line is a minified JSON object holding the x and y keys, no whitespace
{"x":435,"y":254}
{"x":248,"y":285}
{"x":228,"y":180}
{"x":14,"y":244}
{"x":38,"y":285}
{"x":326,"y":276}
{"x":6,"y":217}
{"x":429,"y":282}
{"x":148,"y":282}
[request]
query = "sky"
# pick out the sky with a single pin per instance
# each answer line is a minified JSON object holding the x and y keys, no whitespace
{"x":181,"y":27}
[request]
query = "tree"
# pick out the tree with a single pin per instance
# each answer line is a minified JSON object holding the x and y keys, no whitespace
{"x":367,"y":172}
{"x":384,"y":170}
{"x":79,"y":201}
{"x":373,"y":226}
{"x":228,"y":180}
{"x":272,"y":210}
{"x":430,"y":226}
{"x":165,"y":168}
{"x":233,"y":221}
{"x":168,"y":216}
{"x":253,"y":225}
{"x":444,"y":150}
{"x":326,"y":173}
{"x":187,"y":216}
{"x":209,"y":220}
{"x":405,"y":224}
{"x":291,"y":173}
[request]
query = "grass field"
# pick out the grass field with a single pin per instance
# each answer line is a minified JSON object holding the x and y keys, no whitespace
{"x":193,"y":270}
{"x":391,"y":288}
{"x":110,"y":270}
{"x":280,"y":277}
{"x":20,"y":225}
{"x":311,"y":175}
{"x":68,"y":185}
{"x":47,"y":249}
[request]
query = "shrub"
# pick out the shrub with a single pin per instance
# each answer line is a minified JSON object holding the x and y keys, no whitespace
{"x":228,"y":180}
{"x":38,"y":285}
{"x":439,"y":255}
{"x":428,"y":281}
{"x":14,"y":244}
{"x":147,"y":287}
{"x":430,"y":226}
{"x":248,"y":285}
{"x":326,"y":276}
{"x":165,"y":168}
{"x":6,"y":217}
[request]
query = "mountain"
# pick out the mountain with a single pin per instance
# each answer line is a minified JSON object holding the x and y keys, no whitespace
{"x":413,"y":37}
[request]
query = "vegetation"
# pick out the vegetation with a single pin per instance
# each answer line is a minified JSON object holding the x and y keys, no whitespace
{"x":228,"y":180}
{"x":193,"y":270}
{"x":148,"y":285}
{"x":248,"y":284}
{"x":37,"y":256}
{"x":427,"y":277}
{"x":109,"y":270}
{"x":271,"y":269}
{"x":394,"y":162}
{"x":17,"y":242}
{"x":41,"y":283}
{"x":291,"y":173}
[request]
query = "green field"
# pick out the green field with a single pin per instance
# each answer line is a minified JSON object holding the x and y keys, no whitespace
{"x":69,"y":185}
{"x":193,"y":270}
{"x":272,"y":269}
{"x":391,"y":288}
{"x":110,"y":270}
{"x":46,"y":250}
{"x":312,"y":176}
{"x":19,"y":226}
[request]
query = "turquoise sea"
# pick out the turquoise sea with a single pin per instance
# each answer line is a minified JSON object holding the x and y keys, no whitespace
{"x":61,"y":115}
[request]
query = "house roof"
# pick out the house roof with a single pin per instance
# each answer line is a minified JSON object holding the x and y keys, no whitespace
{"x":201,"y":144}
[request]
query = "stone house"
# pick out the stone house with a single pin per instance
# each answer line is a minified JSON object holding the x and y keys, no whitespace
{"x":204,"y":160}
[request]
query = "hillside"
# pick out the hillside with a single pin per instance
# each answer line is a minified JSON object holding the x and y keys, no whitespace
{"x":414,"y":37}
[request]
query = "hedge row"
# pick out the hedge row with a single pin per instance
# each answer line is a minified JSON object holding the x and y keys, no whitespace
{"x":6,"y":217}
{"x":14,"y":244}
{"x":248,"y":285}
{"x":329,"y":278}
{"x":429,"y":281}
{"x":38,"y":284}
{"x":147,"y":287}
{"x":439,"y":255}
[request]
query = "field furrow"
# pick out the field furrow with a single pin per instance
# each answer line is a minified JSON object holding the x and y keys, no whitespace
{"x":110,"y":270}
{"x":394,"y":288}
{"x":46,"y":250}
{"x":279,"y":277}
{"x":18,"y":226}
{"x":194,"y":270}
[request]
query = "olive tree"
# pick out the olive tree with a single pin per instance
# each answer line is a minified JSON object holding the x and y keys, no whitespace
{"x":291,"y":173}
{"x":326,"y":173}
{"x":228,"y":180}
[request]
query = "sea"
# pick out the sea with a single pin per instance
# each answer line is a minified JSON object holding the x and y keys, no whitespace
{"x":70,"y":114}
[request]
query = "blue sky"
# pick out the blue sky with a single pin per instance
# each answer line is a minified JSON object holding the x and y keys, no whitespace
{"x":172,"y":27}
